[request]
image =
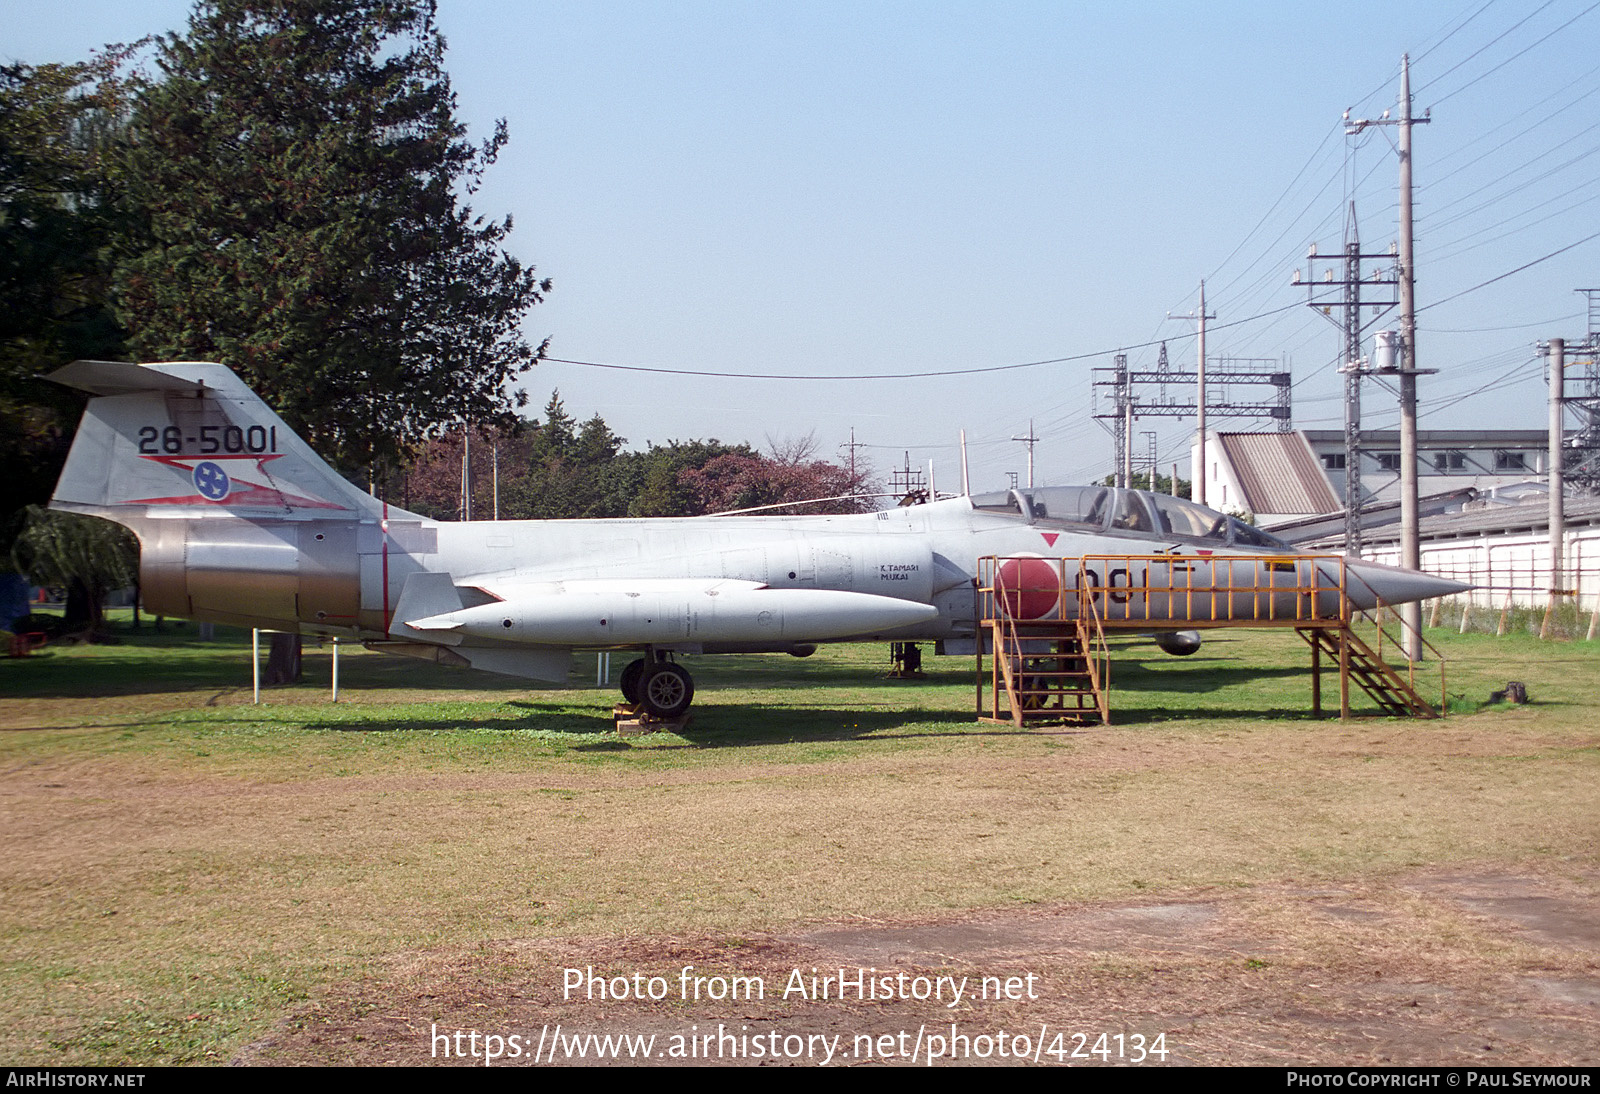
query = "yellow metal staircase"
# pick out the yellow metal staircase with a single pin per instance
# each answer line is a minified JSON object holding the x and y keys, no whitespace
{"x":1044,"y":621}
{"x":1052,"y":669}
{"x":1049,"y":673}
{"x":1359,"y":662}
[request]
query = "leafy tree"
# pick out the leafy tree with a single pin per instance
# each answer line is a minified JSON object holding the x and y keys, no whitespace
{"x":570,"y":469}
{"x":740,"y":481}
{"x":86,"y":556}
{"x":558,"y":468}
{"x":431,"y":482}
{"x":747,"y":480}
{"x":556,"y":434}
{"x":667,"y":488}
{"x":300,"y":179}
{"x":1163,"y":483}
{"x":55,"y":264}
{"x":595,"y":443}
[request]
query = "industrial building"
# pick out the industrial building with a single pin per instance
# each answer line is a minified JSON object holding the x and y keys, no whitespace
{"x":1280,"y":477}
{"x":1484,"y":508}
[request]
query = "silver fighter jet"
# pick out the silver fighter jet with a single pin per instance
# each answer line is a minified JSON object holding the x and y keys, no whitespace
{"x":240,"y":522}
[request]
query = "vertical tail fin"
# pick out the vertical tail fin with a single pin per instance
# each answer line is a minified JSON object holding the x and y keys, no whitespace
{"x":189,"y":438}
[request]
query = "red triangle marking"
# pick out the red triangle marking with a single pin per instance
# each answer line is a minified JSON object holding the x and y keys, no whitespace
{"x":1050,"y":538}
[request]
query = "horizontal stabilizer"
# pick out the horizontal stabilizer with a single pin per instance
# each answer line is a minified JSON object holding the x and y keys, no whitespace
{"x":425,"y":598}
{"x":122,"y":378}
{"x":441,"y":622}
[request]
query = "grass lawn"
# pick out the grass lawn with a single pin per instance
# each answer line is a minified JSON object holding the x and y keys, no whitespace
{"x":184,"y":869}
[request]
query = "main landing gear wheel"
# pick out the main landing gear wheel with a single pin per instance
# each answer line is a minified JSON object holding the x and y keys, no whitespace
{"x":631,"y":678}
{"x":665,"y":690}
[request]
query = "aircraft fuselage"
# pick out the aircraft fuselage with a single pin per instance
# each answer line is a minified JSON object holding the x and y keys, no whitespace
{"x":241,"y":522}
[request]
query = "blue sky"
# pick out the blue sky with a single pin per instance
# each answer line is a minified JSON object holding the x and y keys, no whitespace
{"x":876,"y":188}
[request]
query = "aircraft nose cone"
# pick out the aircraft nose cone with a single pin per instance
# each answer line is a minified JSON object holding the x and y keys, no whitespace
{"x":1369,"y":582}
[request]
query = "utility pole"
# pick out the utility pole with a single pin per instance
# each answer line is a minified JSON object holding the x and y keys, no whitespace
{"x":1200,"y":397}
{"x":1585,"y":399}
{"x":1582,"y":397}
{"x":1122,"y":402}
{"x":1199,"y":491}
{"x":1127,"y":448}
{"x":1410,"y":530}
{"x":910,"y":485}
{"x":1350,"y":301}
{"x":1030,"y":440}
{"x":1410,"y":526}
{"x":1558,"y":513}
{"x":1353,"y":368}
{"x":466,"y":473}
{"x":1200,"y":393}
{"x":852,"y":445}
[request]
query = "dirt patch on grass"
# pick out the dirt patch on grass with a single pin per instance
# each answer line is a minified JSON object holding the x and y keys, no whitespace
{"x":1431,"y":968}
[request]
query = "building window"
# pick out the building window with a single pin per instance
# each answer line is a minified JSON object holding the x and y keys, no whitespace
{"x":1449,"y":461}
{"x":1510,"y":461}
{"x":1333,"y":461}
{"x":1388,"y":461}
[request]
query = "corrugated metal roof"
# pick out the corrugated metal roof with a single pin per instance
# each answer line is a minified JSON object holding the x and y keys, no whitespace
{"x":1279,"y":473}
{"x":1329,"y":527}
{"x":1437,"y":438}
{"x":1381,"y":524}
{"x":1531,"y":517}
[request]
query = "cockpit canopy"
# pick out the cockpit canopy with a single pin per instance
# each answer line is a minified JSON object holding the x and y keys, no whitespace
{"x":1127,"y":512}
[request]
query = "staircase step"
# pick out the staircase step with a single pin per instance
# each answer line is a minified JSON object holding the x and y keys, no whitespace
{"x":1386,"y":687}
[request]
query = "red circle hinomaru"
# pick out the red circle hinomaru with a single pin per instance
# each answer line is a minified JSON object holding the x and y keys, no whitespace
{"x":1031,"y":586}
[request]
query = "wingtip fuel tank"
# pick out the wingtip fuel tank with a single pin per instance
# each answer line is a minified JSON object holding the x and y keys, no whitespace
{"x":668,"y":613}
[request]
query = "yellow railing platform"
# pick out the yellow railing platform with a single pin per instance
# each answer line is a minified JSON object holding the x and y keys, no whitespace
{"x":1045,"y":621}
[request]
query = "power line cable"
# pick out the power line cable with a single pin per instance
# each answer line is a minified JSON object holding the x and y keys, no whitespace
{"x":1459,"y":26}
{"x":1480,"y":50}
{"x":1448,"y":254}
{"x":1544,"y":119}
{"x":976,"y":370}
{"x":1520,"y":52}
{"x":1273,"y":207}
{"x":1521,"y":186}
{"x":1508,"y":273}
{"x":1521,"y":374}
{"x":1545,"y":324}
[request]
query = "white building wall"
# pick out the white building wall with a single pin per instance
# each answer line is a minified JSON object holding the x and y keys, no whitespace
{"x":1511,"y":566}
{"x":1222,"y":484}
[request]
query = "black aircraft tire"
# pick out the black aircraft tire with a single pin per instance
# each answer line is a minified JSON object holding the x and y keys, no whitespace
{"x":666,"y":690}
{"x":629,"y":683}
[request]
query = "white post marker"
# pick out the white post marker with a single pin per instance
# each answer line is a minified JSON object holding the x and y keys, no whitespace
{"x":255,"y":665}
{"x":335,"y":670}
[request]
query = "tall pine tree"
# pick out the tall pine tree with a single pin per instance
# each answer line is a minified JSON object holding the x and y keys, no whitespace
{"x":299,"y":181}
{"x":56,"y":124}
